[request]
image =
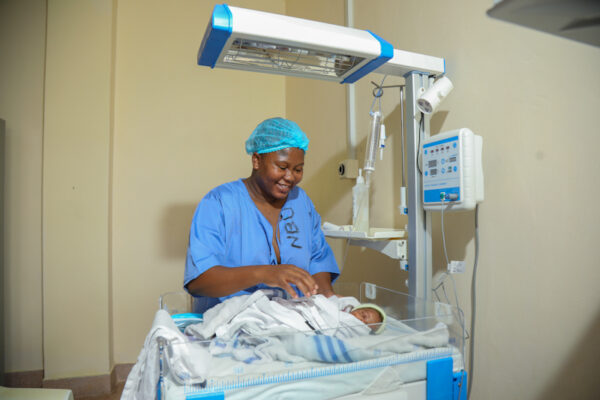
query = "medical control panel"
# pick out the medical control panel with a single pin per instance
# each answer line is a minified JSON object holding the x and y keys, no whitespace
{"x":452,"y":171}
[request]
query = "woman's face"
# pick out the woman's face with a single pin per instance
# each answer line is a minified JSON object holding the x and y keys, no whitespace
{"x":367,"y":315}
{"x":279,"y":171}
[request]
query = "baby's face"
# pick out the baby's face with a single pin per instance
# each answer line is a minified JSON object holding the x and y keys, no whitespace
{"x":367,"y":315}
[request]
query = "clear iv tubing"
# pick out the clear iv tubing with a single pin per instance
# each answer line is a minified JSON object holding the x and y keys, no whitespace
{"x":372,"y":146}
{"x":374,"y":135}
{"x":402,"y":131}
{"x":403,"y":206}
{"x":473,"y":299}
{"x":473,"y":305}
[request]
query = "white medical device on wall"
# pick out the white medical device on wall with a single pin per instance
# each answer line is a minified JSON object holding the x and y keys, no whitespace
{"x":252,"y":40}
{"x":452,"y":171}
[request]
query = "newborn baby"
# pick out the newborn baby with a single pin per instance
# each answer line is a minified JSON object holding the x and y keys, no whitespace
{"x":337,"y":312}
{"x":370,"y":314}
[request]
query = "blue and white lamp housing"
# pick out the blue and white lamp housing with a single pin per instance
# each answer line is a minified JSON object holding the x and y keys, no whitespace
{"x":252,"y":40}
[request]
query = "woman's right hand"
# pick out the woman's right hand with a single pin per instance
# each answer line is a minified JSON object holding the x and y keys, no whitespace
{"x":283,"y":275}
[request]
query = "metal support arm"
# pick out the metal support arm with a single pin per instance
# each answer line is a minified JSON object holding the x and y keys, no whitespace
{"x":419,"y":223}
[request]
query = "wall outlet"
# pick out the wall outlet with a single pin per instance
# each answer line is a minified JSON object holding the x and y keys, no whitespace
{"x":348,"y":169}
{"x":456,"y":267}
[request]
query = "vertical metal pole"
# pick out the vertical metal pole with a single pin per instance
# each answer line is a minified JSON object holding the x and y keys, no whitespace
{"x":2,"y":300}
{"x":419,"y":225}
{"x":350,"y":96}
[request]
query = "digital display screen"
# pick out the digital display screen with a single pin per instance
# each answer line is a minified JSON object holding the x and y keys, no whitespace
{"x":452,"y":159}
{"x":433,"y":172}
{"x":432,"y":163}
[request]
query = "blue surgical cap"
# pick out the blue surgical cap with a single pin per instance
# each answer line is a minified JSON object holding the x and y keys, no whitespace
{"x":276,"y":134}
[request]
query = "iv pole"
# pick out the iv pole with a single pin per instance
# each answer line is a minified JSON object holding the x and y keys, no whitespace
{"x":419,"y":221}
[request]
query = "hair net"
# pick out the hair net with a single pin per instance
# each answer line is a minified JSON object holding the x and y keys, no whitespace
{"x":276,"y":134}
{"x":379,"y":310}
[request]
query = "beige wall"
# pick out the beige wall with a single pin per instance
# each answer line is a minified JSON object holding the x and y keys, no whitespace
{"x":77,"y":134}
{"x":534,"y":99}
{"x":22,"y":48}
{"x":135,"y":133}
{"x":179,"y":131}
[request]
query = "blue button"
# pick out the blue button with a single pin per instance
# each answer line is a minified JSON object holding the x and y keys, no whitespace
{"x":426,"y":173}
{"x":443,"y":161}
{"x":425,"y":151}
{"x":455,"y":169}
{"x":443,"y":170}
{"x":454,"y":144}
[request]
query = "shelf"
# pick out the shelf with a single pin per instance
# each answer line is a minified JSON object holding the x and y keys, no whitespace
{"x":386,"y":241}
{"x":346,"y":232}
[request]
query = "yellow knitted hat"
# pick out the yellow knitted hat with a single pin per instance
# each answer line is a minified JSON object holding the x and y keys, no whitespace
{"x":379,"y":310}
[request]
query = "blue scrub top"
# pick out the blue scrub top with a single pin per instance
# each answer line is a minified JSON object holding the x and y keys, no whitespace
{"x":229,"y":230}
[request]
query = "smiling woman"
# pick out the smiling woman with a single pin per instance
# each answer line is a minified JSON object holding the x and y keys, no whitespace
{"x":263,"y":231}
{"x":275,"y":174}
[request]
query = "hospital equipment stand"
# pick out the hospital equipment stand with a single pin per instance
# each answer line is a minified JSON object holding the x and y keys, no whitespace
{"x":419,"y":223}
{"x":2,"y":302}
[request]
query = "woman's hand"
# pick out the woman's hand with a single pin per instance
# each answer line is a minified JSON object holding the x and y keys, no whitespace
{"x":283,"y":275}
{"x":222,"y":281}
{"x":323,"y":280}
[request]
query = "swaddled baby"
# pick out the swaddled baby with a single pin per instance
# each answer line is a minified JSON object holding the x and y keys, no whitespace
{"x":256,"y":329}
{"x":344,"y":310}
{"x":256,"y":314}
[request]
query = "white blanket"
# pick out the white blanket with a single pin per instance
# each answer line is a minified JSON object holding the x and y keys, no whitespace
{"x":254,"y":329}
{"x":257,"y":315}
{"x":324,"y":348}
{"x":187,"y":361}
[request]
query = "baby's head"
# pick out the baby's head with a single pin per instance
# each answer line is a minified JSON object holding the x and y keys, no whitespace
{"x":372,"y":315}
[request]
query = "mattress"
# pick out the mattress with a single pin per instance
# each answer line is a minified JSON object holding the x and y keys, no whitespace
{"x":313,"y":380}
